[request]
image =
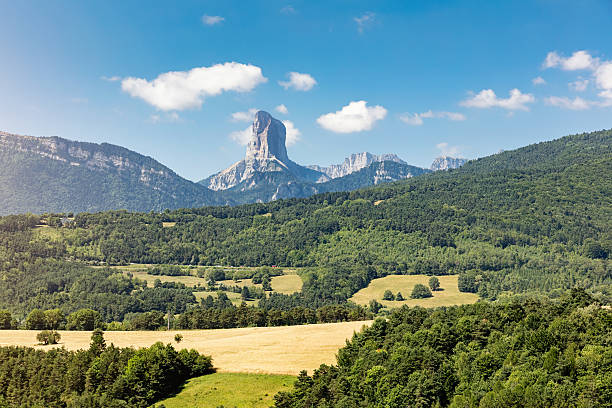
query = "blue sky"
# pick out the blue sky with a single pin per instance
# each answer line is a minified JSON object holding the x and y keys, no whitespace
{"x":413,"y":78}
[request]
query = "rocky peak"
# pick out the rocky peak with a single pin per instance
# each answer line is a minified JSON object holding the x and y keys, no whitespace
{"x":268,"y":139}
{"x":446,"y":163}
{"x":355,"y":162}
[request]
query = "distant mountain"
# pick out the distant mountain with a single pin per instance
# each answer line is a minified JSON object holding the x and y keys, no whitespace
{"x":447,"y":163}
{"x":51,"y":174}
{"x":266,"y":173}
{"x":355,"y":162}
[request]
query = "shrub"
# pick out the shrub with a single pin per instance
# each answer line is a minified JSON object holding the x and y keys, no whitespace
{"x":399,"y":297}
{"x":178,"y":337}
{"x":48,"y":337}
{"x":434,"y":283}
{"x":388,"y":295}
{"x":420,"y":292}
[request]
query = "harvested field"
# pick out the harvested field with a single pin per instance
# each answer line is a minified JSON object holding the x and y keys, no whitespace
{"x":264,"y":350}
{"x":449,"y":296}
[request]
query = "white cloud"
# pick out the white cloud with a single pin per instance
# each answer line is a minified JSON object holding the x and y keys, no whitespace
{"x":293,"y":133}
{"x":603,"y":76}
{"x":578,"y":60}
{"x":178,"y":90}
{"x":607,"y":98}
{"x":298,"y":81}
{"x":282,"y":109}
{"x":538,"y":81}
{"x":566,"y":103}
{"x":113,"y":78}
{"x":212,"y":20}
{"x":366,"y":20}
{"x":168,"y":117}
{"x":242,"y":137}
{"x":354,"y":117}
{"x":579,"y":85}
{"x":487,"y":99}
{"x":416,"y":119}
{"x":447,"y":150}
{"x":247,"y":116}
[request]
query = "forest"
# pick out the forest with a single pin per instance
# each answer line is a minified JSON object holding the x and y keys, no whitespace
{"x":519,"y":353}
{"x":536,"y":220}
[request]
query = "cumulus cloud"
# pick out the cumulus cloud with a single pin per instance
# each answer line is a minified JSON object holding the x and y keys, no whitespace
{"x":416,"y":119}
{"x":168,"y":117}
{"x":293,"y":133}
{"x":578,"y":60}
{"x":242,"y":137}
{"x":178,"y":90}
{"x":354,"y":117}
{"x":364,"y":21}
{"x":566,"y":103}
{"x":212,"y":20}
{"x":538,"y":81}
{"x":603,"y":76}
{"x":282,"y":109}
{"x":579,"y":85}
{"x":298,"y":81}
{"x":487,"y":99}
{"x":447,"y":150}
{"x":246,"y":116}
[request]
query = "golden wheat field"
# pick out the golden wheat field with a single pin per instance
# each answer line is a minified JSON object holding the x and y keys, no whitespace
{"x":449,"y":296}
{"x":266,"y":350}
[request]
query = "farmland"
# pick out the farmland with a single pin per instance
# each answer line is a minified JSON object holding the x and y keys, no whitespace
{"x":268,"y":350}
{"x":449,"y":296}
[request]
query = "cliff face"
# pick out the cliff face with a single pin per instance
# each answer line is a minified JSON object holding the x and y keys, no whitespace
{"x":355,"y":162}
{"x":446,"y":163}
{"x":266,"y":152}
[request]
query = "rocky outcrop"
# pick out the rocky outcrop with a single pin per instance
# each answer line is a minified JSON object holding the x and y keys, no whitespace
{"x":447,"y":163}
{"x":355,"y":162}
{"x":266,"y":152}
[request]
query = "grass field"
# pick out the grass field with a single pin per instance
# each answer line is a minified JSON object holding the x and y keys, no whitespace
{"x":236,"y":298}
{"x":404,"y":283}
{"x":261,"y":350}
{"x":230,"y":390}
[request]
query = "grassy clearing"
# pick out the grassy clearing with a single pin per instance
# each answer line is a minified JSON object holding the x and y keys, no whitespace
{"x":259,"y":350}
{"x":168,"y":224}
{"x":230,"y":390}
{"x":404,"y":283}
{"x":236,"y":298}
{"x":286,"y":284}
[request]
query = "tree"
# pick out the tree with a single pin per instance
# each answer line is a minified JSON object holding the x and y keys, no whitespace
{"x":245,"y":293}
{"x":375,"y":306}
{"x":178,"y":337}
{"x":84,"y":319}
{"x":420,"y":291}
{"x":399,"y":297}
{"x":54,"y":319}
{"x":388,"y":295}
{"x":36,"y":320}
{"x":48,"y":337}
{"x":266,"y":284}
{"x":98,"y":344}
{"x":6,"y":320}
{"x":434,"y":283}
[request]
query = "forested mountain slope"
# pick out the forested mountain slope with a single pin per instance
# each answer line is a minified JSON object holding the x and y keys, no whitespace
{"x":517,"y":222}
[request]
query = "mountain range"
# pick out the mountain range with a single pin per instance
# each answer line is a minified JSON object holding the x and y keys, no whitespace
{"x":52,"y":174}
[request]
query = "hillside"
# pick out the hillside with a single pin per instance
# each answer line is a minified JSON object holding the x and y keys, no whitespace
{"x":58,"y":175}
{"x":513,"y":223}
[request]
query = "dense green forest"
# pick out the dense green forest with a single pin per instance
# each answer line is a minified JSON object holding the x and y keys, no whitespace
{"x":530,"y":353}
{"x":99,"y":377}
{"x":533,"y":220}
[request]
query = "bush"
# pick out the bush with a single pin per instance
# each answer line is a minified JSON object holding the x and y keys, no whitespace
{"x":178,"y":337}
{"x":84,"y":319}
{"x":388,"y":295}
{"x":434,"y":283}
{"x":48,"y":337}
{"x":399,"y":297}
{"x":420,"y":292}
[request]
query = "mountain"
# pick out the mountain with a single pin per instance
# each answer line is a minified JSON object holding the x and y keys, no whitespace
{"x":447,"y":163}
{"x":266,"y":153}
{"x":51,"y":174}
{"x":266,"y":173}
{"x":353,"y":163}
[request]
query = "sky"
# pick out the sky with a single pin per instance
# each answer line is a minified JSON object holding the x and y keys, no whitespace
{"x":179,"y":81}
